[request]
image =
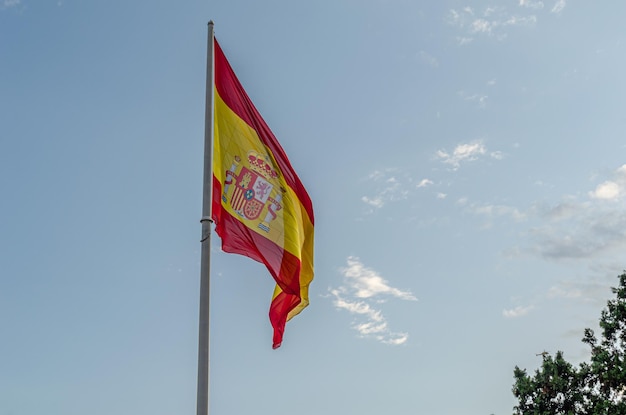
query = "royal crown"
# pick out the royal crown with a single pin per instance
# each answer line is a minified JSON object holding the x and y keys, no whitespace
{"x":260,"y":164}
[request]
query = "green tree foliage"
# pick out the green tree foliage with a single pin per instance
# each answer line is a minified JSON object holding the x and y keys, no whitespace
{"x":597,"y":387}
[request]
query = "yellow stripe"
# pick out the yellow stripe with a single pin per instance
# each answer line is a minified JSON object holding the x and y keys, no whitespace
{"x":306,"y":275}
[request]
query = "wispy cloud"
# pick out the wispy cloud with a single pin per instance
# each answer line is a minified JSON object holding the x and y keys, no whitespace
{"x":493,"y":21}
{"x":593,"y":289}
{"x":566,"y":209}
{"x":590,"y":225}
{"x":461,"y":153}
{"x":531,"y":4}
{"x":428,"y":59}
{"x":518,"y":311}
{"x":587,"y":228}
{"x":479,"y":99}
{"x":520,"y":21}
{"x":494,"y":210}
{"x":375,"y":202}
{"x":465,"y":153}
{"x":424,"y":183}
{"x":10,"y":3}
{"x":590,"y":235}
{"x":565,"y":290}
{"x":577,"y":229}
{"x":387,"y":186}
{"x":558,"y":6}
{"x":362,"y":288}
{"x":482,"y":26}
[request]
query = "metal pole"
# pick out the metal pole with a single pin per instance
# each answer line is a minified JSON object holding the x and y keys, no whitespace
{"x":205,"y":256}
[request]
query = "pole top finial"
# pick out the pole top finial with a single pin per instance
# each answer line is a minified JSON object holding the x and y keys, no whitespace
{"x":211,"y":23}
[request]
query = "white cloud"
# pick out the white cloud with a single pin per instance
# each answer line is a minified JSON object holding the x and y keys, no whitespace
{"x":376,"y":202}
{"x":520,"y":21}
{"x":441,"y":195}
{"x":356,"y":307}
{"x":608,"y":191}
{"x":531,"y":4}
{"x":518,"y":311}
{"x":396,"y":339}
{"x":368,"y":283}
{"x":362,"y":285}
{"x":424,"y":183}
{"x":468,"y":151}
{"x":558,"y":6}
{"x":481,"y":26}
{"x":465,"y":152}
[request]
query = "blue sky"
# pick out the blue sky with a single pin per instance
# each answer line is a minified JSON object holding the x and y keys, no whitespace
{"x":466,"y":162}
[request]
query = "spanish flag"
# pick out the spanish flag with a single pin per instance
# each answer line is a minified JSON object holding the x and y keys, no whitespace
{"x":259,"y":206}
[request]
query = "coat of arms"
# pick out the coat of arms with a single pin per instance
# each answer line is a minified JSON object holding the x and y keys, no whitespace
{"x":254,"y":189}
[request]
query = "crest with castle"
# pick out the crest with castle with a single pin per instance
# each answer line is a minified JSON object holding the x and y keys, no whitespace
{"x":251,"y":187}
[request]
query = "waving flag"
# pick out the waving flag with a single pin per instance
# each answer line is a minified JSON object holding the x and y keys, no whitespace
{"x":260,"y":207}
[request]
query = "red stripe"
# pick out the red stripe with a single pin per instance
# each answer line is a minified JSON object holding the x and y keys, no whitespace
{"x":232,"y":93}
{"x":279,"y":310}
{"x":237,"y":199}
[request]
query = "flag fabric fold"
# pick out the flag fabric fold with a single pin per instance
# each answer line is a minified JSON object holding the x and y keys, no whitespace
{"x":259,"y":205}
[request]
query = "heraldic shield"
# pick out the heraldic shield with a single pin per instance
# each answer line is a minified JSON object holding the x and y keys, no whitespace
{"x":249,"y":189}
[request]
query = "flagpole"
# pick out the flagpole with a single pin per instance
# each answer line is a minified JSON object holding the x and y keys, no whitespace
{"x":205,"y":256}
